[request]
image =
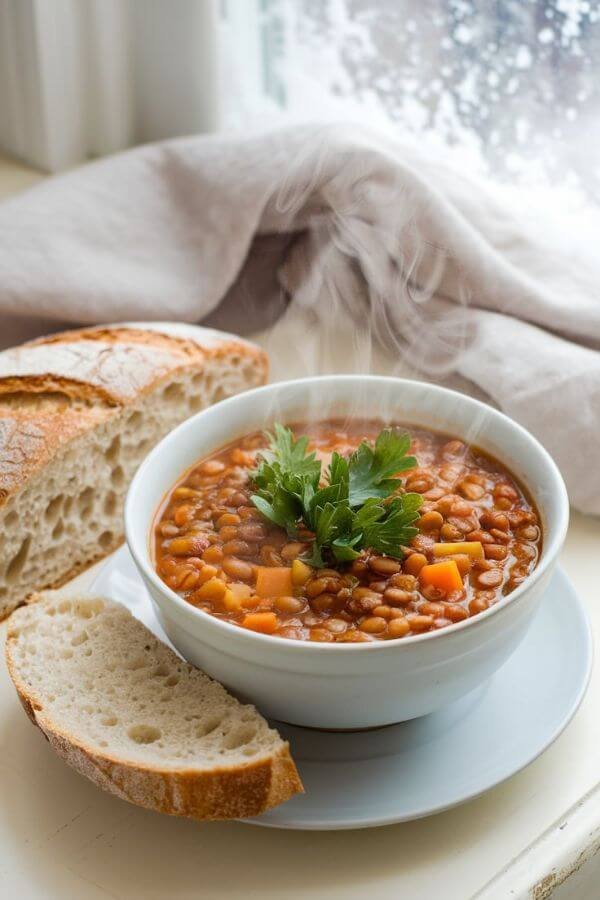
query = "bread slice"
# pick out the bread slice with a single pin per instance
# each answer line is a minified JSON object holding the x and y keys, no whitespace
{"x":78,"y":412}
{"x":125,"y":711}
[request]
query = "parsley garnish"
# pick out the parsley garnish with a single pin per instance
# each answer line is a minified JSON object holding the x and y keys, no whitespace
{"x":356,"y":505}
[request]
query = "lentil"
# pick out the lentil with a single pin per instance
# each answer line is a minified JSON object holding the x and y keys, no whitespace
{"x":383,"y":565}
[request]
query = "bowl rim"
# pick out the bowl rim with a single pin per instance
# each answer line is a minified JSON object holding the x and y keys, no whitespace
{"x":142,"y":559}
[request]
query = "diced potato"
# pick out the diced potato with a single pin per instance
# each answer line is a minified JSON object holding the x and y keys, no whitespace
{"x":474,"y":549}
{"x":206,"y":573}
{"x":213,"y":589}
{"x":239,"y":589}
{"x":301,"y":572}
{"x":231,"y":602}
{"x":273,"y":581}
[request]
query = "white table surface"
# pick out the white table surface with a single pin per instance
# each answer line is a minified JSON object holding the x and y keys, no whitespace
{"x":60,"y":837}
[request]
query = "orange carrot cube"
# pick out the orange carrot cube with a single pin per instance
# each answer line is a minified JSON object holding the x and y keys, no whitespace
{"x":273,"y":581}
{"x":443,"y":575}
{"x":265,"y":622}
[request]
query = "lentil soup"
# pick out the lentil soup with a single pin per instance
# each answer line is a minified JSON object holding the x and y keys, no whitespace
{"x":477,"y":538}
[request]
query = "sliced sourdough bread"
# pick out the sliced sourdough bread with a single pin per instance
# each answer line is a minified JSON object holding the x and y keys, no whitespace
{"x":125,"y":711}
{"x":78,"y":412}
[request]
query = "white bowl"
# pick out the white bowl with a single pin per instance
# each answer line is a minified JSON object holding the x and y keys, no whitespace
{"x":349,"y":685}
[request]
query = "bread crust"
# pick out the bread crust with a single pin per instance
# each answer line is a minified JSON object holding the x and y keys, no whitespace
{"x":89,"y":375}
{"x":29,"y":441}
{"x":233,"y":792}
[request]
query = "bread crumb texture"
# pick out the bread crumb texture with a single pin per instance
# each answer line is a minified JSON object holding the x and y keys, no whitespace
{"x":126,"y":711}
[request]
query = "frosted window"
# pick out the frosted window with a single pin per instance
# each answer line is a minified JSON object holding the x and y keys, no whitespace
{"x":513,"y":83}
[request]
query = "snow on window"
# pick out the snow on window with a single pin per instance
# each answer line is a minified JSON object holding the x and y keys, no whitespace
{"x":512,"y":83}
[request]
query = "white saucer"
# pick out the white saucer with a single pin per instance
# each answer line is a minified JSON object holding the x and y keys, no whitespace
{"x":414,"y":769}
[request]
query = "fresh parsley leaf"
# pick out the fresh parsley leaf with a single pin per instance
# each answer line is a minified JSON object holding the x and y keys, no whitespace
{"x":285,"y":478}
{"x":372,"y":469}
{"x":315,"y":557}
{"x":290,"y":454}
{"x":389,"y":534}
{"x":343,"y":548}
{"x":332,"y":494}
{"x":353,"y":509}
{"x":332,"y":521}
{"x":281,"y":508}
{"x":372,"y":511}
{"x":339,"y":473}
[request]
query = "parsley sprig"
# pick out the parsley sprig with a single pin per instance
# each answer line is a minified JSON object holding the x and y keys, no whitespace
{"x":356,"y":505}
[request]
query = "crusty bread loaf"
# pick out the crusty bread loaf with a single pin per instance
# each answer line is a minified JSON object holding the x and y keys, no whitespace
{"x":121,"y":708}
{"x":78,"y":412}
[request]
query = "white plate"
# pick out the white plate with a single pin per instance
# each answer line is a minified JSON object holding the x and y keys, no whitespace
{"x":414,"y":769}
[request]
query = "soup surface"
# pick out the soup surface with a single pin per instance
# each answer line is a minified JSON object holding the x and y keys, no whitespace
{"x":478,"y":538}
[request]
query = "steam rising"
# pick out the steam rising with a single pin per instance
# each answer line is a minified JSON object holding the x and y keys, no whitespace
{"x":361,"y":286}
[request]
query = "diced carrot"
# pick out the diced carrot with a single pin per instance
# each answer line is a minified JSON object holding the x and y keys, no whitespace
{"x":273,"y":581}
{"x":443,"y":575}
{"x":301,"y":572}
{"x":474,"y":549}
{"x":265,"y":622}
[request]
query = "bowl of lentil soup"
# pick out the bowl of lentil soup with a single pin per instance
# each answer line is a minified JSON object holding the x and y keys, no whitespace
{"x":350,"y":561}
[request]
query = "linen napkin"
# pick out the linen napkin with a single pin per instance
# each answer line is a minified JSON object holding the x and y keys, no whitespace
{"x":358,"y":242}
